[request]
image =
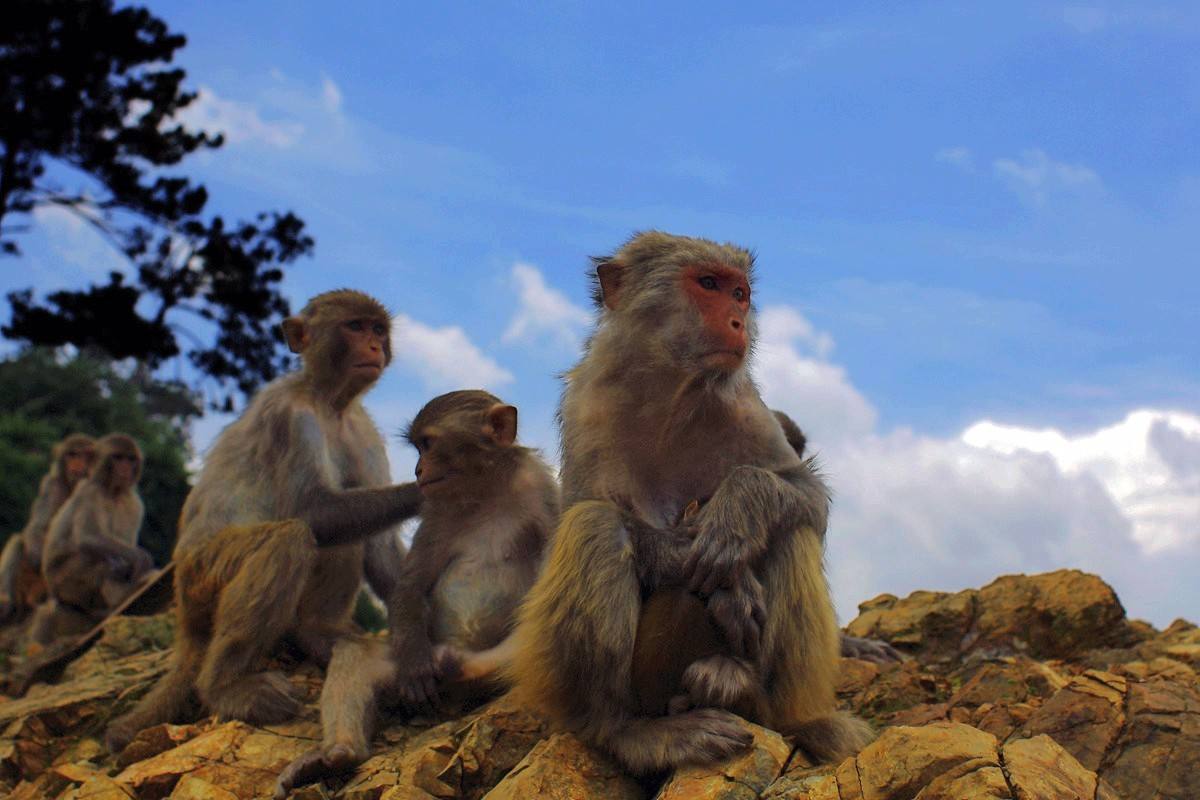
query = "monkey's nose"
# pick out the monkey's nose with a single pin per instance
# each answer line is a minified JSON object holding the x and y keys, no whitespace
{"x":736,"y":324}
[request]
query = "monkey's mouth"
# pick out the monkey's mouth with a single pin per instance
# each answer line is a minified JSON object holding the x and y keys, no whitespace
{"x":726,"y":359}
{"x":427,"y":482}
{"x":371,"y":365}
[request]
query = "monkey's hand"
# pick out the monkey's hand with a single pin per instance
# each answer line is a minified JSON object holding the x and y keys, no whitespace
{"x":316,"y":764}
{"x":416,"y":676}
{"x":740,"y":612}
{"x":717,"y":557}
{"x":658,"y":553}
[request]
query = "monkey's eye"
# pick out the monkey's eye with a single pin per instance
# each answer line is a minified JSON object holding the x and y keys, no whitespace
{"x":708,"y":282}
{"x":379,"y":329}
{"x":739,"y":294}
{"x":425,"y":442}
{"x":355,"y":325}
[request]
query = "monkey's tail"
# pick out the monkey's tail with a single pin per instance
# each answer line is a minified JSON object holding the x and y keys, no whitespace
{"x":171,"y":699}
{"x":831,"y":739}
{"x":646,"y":745}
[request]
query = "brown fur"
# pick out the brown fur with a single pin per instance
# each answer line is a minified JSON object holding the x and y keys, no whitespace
{"x":91,"y":559}
{"x":271,"y":535}
{"x":490,"y":506}
{"x":21,"y":583}
{"x":647,"y":430}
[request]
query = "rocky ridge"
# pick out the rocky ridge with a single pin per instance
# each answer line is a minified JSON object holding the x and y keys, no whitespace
{"x":1030,"y":687}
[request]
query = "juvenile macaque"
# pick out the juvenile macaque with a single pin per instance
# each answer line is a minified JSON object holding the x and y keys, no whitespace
{"x":91,"y":559}
{"x":271,"y":540}
{"x":21,"y":584}
{"x":490,"y":506}
{"x":685,"y":579}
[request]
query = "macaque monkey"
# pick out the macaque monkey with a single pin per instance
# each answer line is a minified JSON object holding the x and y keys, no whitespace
{"x":92,"y":560}
{"x":685,"y":579}
{"x":490,"y":506}
{"x":21,"y":584}
{"x":271,"y":537}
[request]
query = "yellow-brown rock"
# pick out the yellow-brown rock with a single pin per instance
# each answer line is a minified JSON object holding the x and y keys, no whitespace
{"x":1053,"y":615}
{"x":564,"y":768}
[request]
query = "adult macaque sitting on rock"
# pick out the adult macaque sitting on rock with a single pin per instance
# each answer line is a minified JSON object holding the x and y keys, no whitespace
{"x":273,"y":535}
{"x":92,"y":560}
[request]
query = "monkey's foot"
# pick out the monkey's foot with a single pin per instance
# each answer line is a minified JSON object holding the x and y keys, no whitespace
{"x":315,"y":765}
{"x":718,"y":681}
{"x":875,"y":650}
{"x":262,"y":699}
{"x":119,"y":734}
{"x":700,"y":736}
{"x":448,"y":662}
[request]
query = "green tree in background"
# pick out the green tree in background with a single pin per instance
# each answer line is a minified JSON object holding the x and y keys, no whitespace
{"x":44,"y":396}
{"x":89,"y":104}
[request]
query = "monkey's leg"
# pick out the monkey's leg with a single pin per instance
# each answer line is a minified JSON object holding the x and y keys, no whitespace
{"x":358,"y":672}
{"x":575,"y":651}
{"x":266,"y":570}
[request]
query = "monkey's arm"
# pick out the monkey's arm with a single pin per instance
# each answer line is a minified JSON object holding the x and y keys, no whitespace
{"x":383,"y":561}
{"x":90,"y":538}
{"x":339,"y":516}
{"x":749,"y":507}
{"x":49,"y":499}
{"x":409,"y":621}
{"x":659,"y":554}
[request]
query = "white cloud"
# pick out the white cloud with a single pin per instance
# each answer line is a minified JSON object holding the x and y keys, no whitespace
{"x":791,"y":365}
{"x":331,"y":95}
{"x":543,"y":310}
{"x":444,"y":358}
{"x":1036,"y":176}
{"x":76,"y":242}
{"x":1149,"y":463}
{"x":240,"y":122}
{"x":1090,"y":19}
{"x":960,"y":157}
{"x":918,"y":512}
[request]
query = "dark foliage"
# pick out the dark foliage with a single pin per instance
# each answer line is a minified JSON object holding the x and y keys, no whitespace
{"x":43,"y":398}
{"x":88,"y":90}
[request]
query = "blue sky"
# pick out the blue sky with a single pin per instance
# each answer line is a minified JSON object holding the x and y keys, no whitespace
{"x":976,"y":232}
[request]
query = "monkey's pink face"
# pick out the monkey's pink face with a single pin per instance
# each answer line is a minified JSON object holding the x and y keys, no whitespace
{"x":124,"y":468}
{"x":722,"y":296}
{"x":368,"y":348}
{"x":434,"y":473}
{"x":76,"y":464}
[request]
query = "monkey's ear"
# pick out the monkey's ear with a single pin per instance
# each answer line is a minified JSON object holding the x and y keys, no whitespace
{"x":502,"y":424}
{"x":610,"y":275}
{"x":296,"y":334}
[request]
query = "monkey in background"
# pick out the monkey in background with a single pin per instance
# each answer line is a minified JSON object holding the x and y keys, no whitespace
{"x":92,"y":560}
{"x":490,"y":506}
{"x":21,"y":584}
{"x":659,"y":414}
{"x":271,"y":537}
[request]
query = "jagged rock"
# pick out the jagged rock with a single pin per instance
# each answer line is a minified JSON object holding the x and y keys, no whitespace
{"x":564,"y":768}
{"x":947,"y":761}
{"x":990,"y":708}
{"x":1053,"y":615}
{"x":1142,"y":737}
{"x":743,"y":778}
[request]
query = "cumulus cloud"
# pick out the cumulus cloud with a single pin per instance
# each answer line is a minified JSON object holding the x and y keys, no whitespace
{"x":791,"y":365}
{"x":1035,"y":176}
{"x":960,"y":157}
{"x":1149,"y":463}
{"x":920,"y":512}
{"x":444,"y":358}
{"x":239,"y":121}
{"x":544,"y":311}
